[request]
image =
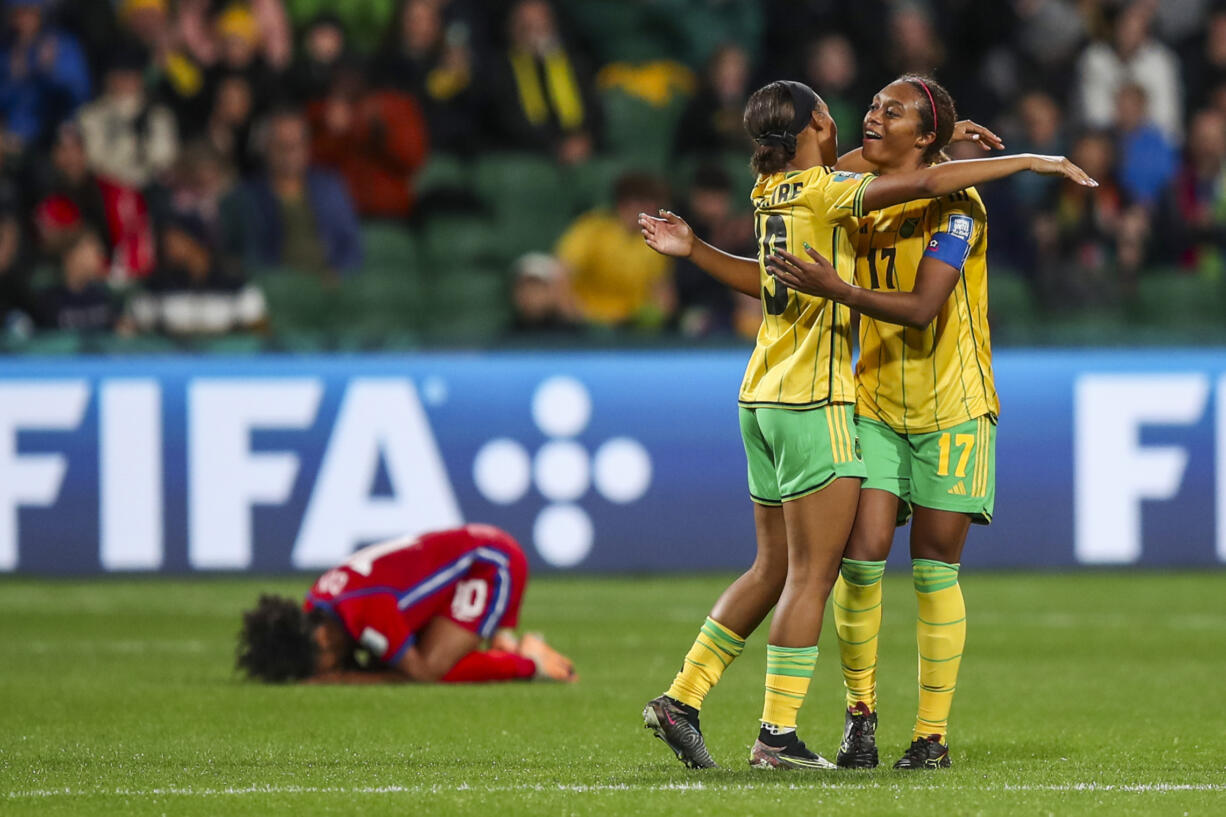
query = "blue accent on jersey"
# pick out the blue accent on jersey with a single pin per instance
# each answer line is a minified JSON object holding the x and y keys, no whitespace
{"x":949,"y":248}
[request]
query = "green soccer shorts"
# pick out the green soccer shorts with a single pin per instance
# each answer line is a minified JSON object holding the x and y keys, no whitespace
{"x":797,"y":452}
{"x":949,"y":470}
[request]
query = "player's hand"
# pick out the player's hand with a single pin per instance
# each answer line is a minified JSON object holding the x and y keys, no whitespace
{"x":816,"y":277}
{"x":968,"y":131}
{"x":667,"y":234}
{"x":1060,"y":166}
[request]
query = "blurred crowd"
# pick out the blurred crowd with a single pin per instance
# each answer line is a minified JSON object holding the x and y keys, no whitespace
{"x":157,"y":156}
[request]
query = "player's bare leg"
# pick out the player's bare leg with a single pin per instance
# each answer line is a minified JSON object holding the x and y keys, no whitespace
{"x":818,"y":526}
{"x":937,"y":539}
{"x":857,"y":619}
{"x":673,"y":716}
{"x":748,"y":600}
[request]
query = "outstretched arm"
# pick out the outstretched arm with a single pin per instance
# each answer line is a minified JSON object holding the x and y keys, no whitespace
{"x":950,"y":177}
{"x":934,"y":281}
{"x":669,"y":234}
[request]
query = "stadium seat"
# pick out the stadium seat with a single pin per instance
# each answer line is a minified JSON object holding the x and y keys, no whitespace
{"x":472,"y":309}
{"x":1171,"y":298}
{"x":528,"y":198}
{"x":387,"y":244}
{"x":49,"y":344}
{"x":443,"y":172}
{"x":1011,"y":300}
{"x":638,"y":131}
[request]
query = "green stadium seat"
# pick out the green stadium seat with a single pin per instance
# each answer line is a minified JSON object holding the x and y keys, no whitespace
{"x":50,"y":344}
{"x":1011,"y":300}
{"x":443,"y":172}
{"x":386,"y":244}
{"x":639,"y":132}
{"x":1176,"y":299}
{"x":590,"y":185}
{"x":470,"y":310}
{"x":299,"y":302}
{"x":458,"y":239}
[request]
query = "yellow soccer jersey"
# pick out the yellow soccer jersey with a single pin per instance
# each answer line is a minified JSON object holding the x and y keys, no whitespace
{"x":803,"y":354}
{"x":922,"y":380}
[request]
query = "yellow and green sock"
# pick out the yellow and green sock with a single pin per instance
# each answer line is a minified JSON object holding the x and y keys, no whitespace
{"x":940,"y":634}
{"x":715,"y":648}
{"x":857,"y":621}
{"x":788,"y":672}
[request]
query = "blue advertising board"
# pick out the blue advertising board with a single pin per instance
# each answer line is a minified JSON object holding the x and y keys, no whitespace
{"x":595,"y":461}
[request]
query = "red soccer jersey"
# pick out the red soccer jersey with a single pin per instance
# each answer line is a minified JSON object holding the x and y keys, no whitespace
{"x":387,"y":592}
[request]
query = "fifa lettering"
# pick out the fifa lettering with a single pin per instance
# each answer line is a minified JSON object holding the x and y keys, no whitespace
{"x":1113,"y":472}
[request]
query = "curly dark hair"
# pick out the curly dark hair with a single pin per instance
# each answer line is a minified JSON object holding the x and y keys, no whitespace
{"x":275,"y":643}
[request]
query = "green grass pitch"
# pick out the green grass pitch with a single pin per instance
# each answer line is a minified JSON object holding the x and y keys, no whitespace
{"x":1088,"y":693}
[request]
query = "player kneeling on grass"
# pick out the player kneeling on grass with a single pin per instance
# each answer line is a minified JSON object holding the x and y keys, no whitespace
{"x":420,"y":607}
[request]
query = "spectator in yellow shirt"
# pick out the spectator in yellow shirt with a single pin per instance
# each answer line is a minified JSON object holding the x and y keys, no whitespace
{"x":615,"y":278}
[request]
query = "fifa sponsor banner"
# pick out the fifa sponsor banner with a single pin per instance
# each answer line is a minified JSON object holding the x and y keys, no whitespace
{"x":616,"y":461}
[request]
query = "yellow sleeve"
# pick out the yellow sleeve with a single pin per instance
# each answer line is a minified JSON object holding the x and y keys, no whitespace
{"x":838,"y":193}
{"x":960,"y":214}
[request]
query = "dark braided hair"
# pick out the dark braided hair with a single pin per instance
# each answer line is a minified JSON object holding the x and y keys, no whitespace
{"x":275,"y":643}
{"x":939,"y":121}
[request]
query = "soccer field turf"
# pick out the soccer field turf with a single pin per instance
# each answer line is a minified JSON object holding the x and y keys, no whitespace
{"x":1093,"y":693}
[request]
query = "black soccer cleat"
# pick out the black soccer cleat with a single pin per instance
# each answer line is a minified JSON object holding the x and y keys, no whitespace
{"x":925,"y":753}
{"x":793,"y":755}
{"x":859,"y":747}
{"x":677,"y":725}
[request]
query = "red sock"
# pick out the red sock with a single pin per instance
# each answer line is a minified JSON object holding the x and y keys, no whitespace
{"x":491,"y":665}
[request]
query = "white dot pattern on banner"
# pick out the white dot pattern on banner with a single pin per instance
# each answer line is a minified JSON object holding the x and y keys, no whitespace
{"x":434,"y":391}
{"x":563,"y":535}
{"x":502,"y":471}
{"x":622,"y":470}
{"x":562,"y":470}
{"x":561,"y":407}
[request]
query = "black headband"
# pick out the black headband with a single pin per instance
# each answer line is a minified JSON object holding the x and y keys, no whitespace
{"x":804,"y":100}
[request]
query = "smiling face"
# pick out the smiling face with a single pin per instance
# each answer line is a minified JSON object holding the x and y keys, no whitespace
{"x":893,"y":130}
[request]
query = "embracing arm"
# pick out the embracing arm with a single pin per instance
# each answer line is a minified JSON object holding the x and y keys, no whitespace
{"x":669,"y":234}
{"x":950,"y":177}
{"x":934,"y":281}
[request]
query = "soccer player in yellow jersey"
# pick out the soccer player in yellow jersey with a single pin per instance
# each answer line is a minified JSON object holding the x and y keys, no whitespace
{"x":926,"y":409}
{"x":796,"y":410}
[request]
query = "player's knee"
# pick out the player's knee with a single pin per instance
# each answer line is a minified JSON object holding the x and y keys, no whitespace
{"x":769,"y":572}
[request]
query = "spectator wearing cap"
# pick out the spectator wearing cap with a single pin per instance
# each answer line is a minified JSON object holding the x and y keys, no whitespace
{"x":539,"y":298}
{"x":375,"y":139}
{"x":364,"y":21}
{"x":293,"y":214}
{"x":81,"y":301}
{"x":44,"y":76}
{"x":128,"y":138}
{"x":190,"y":294}
{"x":237,"y":33}
{"x":616,"y":279}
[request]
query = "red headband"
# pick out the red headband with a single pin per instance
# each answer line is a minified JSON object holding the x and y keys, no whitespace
{"x":931,"y":102}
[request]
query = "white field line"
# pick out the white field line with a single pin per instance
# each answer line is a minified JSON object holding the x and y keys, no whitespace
{"x":175,"y":791}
